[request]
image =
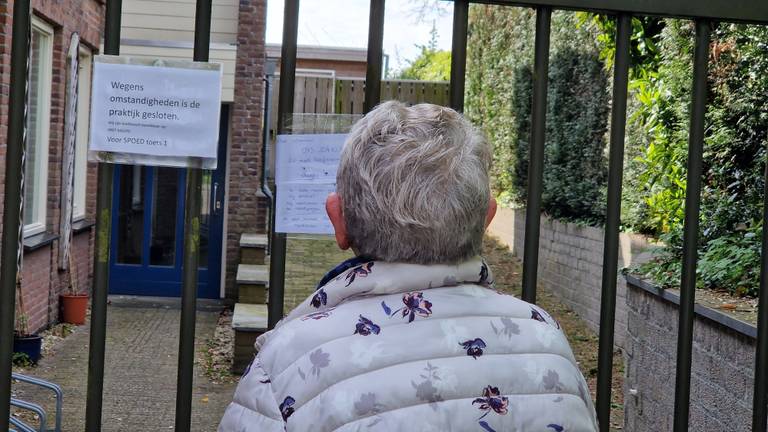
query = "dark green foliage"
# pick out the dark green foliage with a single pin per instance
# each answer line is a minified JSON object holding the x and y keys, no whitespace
{"x":499,"y":99}
{"x":500,"y":42}
{"x":577,"y":115}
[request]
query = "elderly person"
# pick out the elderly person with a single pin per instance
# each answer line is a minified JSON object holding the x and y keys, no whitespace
{"x":410,"y":335}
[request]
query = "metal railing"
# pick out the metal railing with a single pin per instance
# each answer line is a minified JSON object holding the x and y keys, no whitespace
{"x":704,"y":12}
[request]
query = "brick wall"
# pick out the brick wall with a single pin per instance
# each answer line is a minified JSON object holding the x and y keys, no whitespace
{"x":571,"y":263}
{"x":246,"y":207}
{"x":41,"y":279}
{"x":722,"y":369}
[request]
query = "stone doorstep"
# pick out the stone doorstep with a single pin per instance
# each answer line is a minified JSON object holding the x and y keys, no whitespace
{"x":257,"y":241}
{"x":249,"y":321}
{"x":252,"y":274}
{"x":249,"y":317}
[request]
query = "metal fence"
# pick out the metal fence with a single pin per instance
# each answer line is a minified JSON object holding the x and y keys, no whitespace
{"x":703,"y":12}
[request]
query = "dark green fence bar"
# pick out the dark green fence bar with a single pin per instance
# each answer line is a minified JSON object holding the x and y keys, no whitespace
{"x":536,"y":155}
{"x":276,"y":291}
{"x":732,"y":10}
{"x":613,"y":220}
{"x":375,"y":47}
{"x":691,"y":227}
{"x":760,"y":396}
{"x":459,"y":53}
{"x":98,"y":334}
{"x":13,"y":199}
{"x":191,"y":258}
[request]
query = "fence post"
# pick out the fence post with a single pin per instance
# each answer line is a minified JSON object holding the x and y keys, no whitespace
{"x":536,"y":158}
{"x":191,"y":259}
{"x":613,"y":220}
{"x":375,"y":42}
{"x":691,"y":227}
{"x":14,"y":171}
{"x":101,"y":253}
{"x":459,"y":53}
{"x":276,"y":291}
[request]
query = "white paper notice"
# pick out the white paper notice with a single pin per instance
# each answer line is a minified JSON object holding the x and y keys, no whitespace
{"x":156,"y":110}
{"x":306,"y":168}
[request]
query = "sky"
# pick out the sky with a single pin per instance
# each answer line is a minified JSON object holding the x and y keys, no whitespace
{"x":344,"y":23}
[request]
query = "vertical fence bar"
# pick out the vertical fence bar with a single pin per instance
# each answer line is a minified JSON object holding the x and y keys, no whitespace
{"x":459,"y":53}
{"x":612,"y":220}
{"x":536,"y":157}
{"x":12,"y":203}
{"x":101,"y":253}
{"x":276,"y":291}
{"x":375,"y":47}
{"x":759,"y":399}
{"x":191,"y":259}
{"x":691,"y":227}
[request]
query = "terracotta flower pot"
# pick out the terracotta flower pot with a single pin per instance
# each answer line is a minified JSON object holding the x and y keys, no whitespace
{"x":73,"y":308}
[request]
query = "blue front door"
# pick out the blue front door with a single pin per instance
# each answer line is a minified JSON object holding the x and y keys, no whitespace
{"x":148,"y":226}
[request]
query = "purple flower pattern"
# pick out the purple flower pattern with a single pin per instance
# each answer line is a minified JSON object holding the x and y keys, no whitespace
{"x":474,"y":347}
{"x":414,"y":304}
{"x":362,"y":270}
{"x":492,"y":401}
{"x":286,"y":408}
{"x":365,"y":327}
{"x":320,"y":298}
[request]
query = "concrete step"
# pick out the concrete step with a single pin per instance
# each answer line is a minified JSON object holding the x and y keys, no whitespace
{"x":248,"y":321}
{"x":252,"y":283}
{"x":253,"y":248}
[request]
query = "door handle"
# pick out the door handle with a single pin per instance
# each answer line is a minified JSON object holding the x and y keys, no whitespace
{"x":216,"y":200}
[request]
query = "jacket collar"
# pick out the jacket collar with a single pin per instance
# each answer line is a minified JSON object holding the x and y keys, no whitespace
{"x":359,"y":277}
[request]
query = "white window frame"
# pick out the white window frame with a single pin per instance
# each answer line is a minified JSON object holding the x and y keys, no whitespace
{"x":85,"y":59}
{"x":40,"y":194}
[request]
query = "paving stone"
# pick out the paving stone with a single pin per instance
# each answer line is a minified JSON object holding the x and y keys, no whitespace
{"x":140,"y":376}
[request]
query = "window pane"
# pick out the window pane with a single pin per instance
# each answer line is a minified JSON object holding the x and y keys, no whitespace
{"x":34,"y":118}
{"x":130,"y":228}
{"x":81,"y":143}
{"x":162,"y":250}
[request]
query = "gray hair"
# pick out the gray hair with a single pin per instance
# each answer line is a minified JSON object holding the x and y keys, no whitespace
{"x":414,"y":187}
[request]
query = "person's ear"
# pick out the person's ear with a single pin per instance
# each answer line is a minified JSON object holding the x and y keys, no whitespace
{"x":492,"y":206}
{"x":336,"y":215}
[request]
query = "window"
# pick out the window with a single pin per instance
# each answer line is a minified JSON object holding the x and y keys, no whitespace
{"x":38,"y":128}
{"x":81,"y":140}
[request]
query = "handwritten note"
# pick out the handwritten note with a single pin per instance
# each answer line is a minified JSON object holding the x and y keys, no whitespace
{"x":306,"y":168}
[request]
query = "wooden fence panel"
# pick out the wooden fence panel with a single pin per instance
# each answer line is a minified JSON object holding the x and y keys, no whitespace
{"x":350,"y":93}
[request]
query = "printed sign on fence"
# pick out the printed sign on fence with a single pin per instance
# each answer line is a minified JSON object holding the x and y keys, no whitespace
{"x":155,"y":111}
{"x":306,"y":168}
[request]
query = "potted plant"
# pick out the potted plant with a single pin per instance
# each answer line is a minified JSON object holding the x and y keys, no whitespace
{"x":73,"y":304}
{"x":24,"y":342}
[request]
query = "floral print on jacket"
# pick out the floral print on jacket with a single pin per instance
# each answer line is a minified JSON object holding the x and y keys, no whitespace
{"x":386,"y":347}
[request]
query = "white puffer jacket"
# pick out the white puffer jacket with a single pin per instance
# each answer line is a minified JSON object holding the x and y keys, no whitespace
{"x":402,"y":347}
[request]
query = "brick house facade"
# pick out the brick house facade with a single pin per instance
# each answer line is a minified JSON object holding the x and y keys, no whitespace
{"x":246,"y":204}
{"x":245,"y":208}
{"x":42,"y":280}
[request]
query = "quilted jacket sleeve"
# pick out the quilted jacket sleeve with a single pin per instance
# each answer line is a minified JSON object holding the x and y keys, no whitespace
{"x":254,"y":407}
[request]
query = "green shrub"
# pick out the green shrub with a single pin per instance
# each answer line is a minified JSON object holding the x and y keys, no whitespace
{"x":499,"y":98}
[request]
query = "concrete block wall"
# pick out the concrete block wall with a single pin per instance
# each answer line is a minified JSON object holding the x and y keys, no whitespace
{"x":571,"y":263}
{"x":722,"y":369}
